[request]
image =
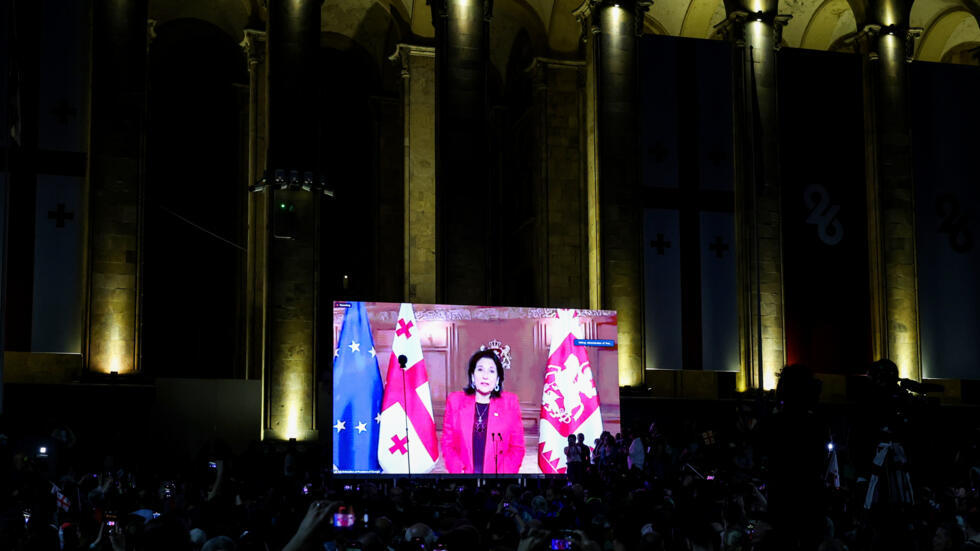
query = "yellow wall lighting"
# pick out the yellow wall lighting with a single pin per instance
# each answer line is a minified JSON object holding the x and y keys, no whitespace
{"x":291,"y":405}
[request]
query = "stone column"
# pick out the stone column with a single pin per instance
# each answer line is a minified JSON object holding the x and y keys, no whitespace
{"x":254,"y":45}
{"x":463,"y":199}
{"x":419,"y":113}
{"x":559,"y":182}
{"x":888,"y":43}
{"x":755,"y":28}
{"x":292,"y":221}
{"x":616,"y":269}
{"x":115,"y":183}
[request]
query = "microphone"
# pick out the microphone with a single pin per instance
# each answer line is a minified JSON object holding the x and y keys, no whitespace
{"x":402,"y":360}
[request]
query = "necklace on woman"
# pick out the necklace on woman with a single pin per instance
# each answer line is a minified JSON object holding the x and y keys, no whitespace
{"x":481,"y":412}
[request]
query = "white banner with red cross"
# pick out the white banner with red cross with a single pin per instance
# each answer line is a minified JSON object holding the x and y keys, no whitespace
{"x":407,"y":390}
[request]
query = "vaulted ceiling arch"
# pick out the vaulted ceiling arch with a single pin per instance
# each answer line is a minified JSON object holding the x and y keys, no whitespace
{"x":947,"y":30}
{"x":829,"y":22}
{"x":231,"y":16}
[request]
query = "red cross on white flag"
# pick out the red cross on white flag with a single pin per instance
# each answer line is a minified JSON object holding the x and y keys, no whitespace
{"x":412,"y":385}
{"x":63,"y":502}
{"x":570,"y":402}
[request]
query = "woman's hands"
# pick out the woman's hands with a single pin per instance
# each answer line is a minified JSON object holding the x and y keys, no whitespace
{"x":315,"y":516}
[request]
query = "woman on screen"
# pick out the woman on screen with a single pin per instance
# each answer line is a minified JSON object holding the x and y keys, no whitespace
{"x":482,"y":431}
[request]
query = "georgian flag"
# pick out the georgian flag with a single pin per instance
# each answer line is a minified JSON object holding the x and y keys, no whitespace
{"x":412,"y":385}
{"x":63,"y":502}
{"x":570,"y":402}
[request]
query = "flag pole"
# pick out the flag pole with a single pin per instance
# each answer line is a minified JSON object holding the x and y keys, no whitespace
{"x":403,"y":364}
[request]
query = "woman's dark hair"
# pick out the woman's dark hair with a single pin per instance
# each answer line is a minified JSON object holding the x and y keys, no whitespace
{"x":468,"y":389}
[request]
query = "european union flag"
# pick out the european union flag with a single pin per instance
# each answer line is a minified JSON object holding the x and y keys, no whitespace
{"x":357,"y":394}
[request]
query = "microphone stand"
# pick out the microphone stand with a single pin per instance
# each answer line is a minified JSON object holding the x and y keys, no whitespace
{"x":402,"y":361}
{"x":496,"y":455}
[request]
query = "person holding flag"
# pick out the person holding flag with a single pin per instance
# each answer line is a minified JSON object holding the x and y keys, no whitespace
{"x":62,"y":500}
{"x":407,"y":443}
{"x":570,"y":402}
{"x":357,"y":394}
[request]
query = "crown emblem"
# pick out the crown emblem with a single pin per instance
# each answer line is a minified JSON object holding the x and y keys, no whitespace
{"x":501,"y":350}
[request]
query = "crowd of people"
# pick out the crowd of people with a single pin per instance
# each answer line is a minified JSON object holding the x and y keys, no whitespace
{"x":773,"y":474}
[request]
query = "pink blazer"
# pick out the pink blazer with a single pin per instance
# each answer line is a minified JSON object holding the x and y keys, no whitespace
{"x":504,"y":417}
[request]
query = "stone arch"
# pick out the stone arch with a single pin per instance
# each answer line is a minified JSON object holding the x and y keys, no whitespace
{"x":832,"y":20}
{"x":368,"y":23}
{"x":514,"y":22}
{"x":967,"y":53}
{"x":564,"y":32}
{"x":194,"y":202}
{"x":231,"y":16}
{"x":667,"y":16}
{"x":518,"y":82}
{"x":701,"y":18}
{"x":947,"y":30}
{"x":652,"y":26}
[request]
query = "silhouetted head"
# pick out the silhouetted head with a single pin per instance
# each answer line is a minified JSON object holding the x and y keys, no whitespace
{"x":797,"y":387}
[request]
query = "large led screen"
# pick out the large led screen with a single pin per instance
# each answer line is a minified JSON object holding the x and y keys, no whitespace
{"x":487,"y":390}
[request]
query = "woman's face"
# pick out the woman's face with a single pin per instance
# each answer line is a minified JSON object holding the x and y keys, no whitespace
{"x":485,"y":376}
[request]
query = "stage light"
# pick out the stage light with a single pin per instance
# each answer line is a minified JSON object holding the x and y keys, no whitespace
{"x":830,"y":446}
{"x":115,"y":363}
{"x":294,"y":180}
{"x":258,"y":187}
{"x":292,"y":418}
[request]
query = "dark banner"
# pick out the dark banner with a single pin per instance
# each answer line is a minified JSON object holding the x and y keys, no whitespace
{"x":945,"y":119}
{"x":688,"y":181}
{"x":824,"y":220}
{"x":43,"y":77}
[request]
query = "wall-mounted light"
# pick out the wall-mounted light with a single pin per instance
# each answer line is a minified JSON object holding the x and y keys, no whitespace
{"x":283,"y":179}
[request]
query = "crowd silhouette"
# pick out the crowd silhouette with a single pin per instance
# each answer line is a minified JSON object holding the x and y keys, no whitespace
{"x":774,"y":472}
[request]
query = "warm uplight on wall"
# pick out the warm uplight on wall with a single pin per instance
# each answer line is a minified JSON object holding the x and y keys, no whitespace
{"x":629,"y":374}
{"x":292,"y":407}
{"x":741,"y":381}
{"x":292,"y":417}
{"x":772,"y":363}
{"x":111,"y":351}
{"x":114,"y":364}
{"x":905,"y":360}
